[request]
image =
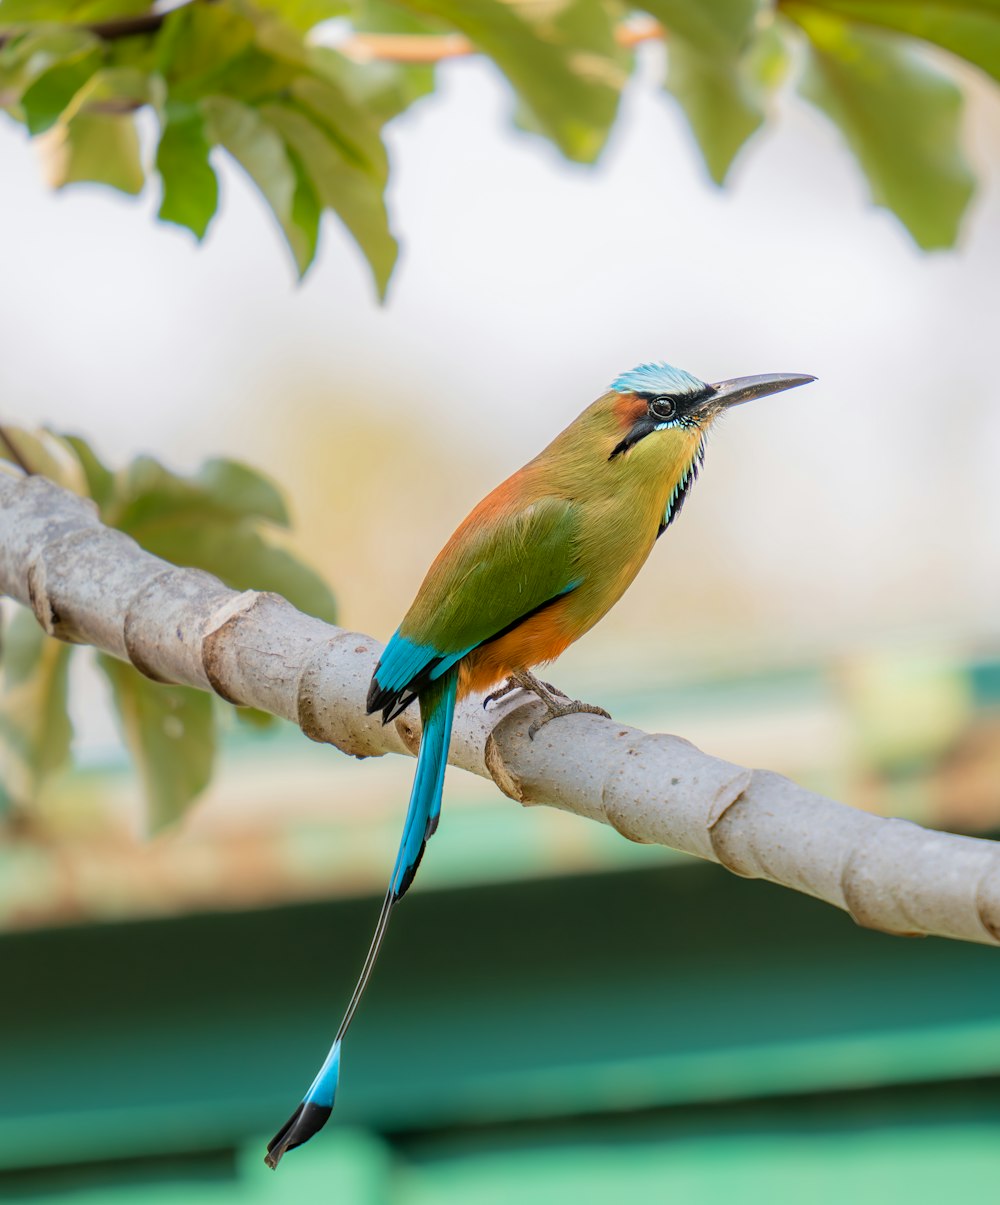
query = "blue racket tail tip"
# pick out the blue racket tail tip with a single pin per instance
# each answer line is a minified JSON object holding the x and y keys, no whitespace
{"x":312,"y":1114}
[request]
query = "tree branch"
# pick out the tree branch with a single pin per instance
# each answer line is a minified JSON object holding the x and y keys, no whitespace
{"x":91,"y":585}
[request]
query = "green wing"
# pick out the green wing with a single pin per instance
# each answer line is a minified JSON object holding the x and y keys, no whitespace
{"x":496,"y":575}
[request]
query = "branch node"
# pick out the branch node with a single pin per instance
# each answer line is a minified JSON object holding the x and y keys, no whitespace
{"x":502,"y":775}
{"x":218,"y":629}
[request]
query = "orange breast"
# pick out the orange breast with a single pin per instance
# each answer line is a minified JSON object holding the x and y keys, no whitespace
{"x":539,"y":639}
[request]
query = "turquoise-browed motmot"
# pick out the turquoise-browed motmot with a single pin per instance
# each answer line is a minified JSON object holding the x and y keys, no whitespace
{"x":535,"y":565}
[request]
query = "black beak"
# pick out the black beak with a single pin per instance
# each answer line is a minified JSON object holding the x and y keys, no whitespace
{"x":745,"y":389}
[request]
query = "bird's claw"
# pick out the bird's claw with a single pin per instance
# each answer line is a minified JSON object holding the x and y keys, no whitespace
{"x":501,"y":692}
{"x":550,"y":695}
{"x":513,"y":684}
{"x":572,"y":707}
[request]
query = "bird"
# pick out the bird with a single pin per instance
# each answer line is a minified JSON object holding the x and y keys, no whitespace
{"x":532,"y":568}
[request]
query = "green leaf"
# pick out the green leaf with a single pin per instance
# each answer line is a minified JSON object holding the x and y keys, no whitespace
{"x":260,"y":151}
{"x":254,"y":718}
{"x":968,"y":28}
{"x":900,"y":117}
{"x":212,"y":521}
{"x":243,"y":559}
{"x":98,"y":148}
{"x":307,"y":209}
{"x":196,"y":46}
{"x":113,"y":90}
{"x":35,"y":731}
{"x":100,"y":481}
{"x":44,"y":100}
{"x":28,"y":56}
{"x":722,"y":105}
{"x":712,"y":72}
{"x":340,"y":184}
{"x":302,"y":15}
{"x":22,"y":12}
{"x":190,"y":187}
{"x":358,"y":137}
{"x":48,"y":454}
{"x":150,"y":494}
{"x":562,"y":59}
{"x":170,"y":734}
{"x":382,"y":88}
{"x":718,"y":28}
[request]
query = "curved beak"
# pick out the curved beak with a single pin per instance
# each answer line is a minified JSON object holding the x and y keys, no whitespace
{"x":745,"y":389}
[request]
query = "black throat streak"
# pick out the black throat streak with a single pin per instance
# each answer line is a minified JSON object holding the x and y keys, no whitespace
{"x":681,"y":490}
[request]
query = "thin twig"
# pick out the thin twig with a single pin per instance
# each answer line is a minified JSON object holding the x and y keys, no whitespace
{"x":427,"y":49}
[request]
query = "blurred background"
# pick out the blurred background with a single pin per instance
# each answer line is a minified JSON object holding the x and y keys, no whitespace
{"x":558,"y":1015}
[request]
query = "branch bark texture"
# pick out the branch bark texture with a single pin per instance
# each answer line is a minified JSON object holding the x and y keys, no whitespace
{"x":91,"y":585}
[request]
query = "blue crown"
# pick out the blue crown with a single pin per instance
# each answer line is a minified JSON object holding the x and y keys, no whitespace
{"x":657,"y":378}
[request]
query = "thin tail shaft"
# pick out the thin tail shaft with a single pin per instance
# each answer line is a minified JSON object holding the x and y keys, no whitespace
{"x":437,"y":708}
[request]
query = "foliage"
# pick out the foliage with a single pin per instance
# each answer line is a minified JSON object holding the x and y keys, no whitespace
{"x":306,"y":122}
{"x":221,"y":519}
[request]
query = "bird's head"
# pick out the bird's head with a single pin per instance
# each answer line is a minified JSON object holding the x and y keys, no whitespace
{"x":658,"y":399}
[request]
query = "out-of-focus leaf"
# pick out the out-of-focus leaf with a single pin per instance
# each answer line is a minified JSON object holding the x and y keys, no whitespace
{"x":211,"y":521}
{"x":384,"y":89}
{"x":99,"y":148}
{"x":113,"y":90}
{"x":20,"y":12}
{"x":170,"y":734}
{"x":723,"y":105}
{"x":100,"y":481}
{"x":307,"y":209}
{"x":900,"y":117}
{"x":358,"y":137}
{"x":243,"y":559}
{"x":254,"y":718}
{"x":711,"y":72}
{"x":44,"y":100}
{"x":302,"y":15}
{"x":968,"y":28}
{"x":28,"y":56}
{"x":341,"y":184}
{"x":715,"y":27}
{"x":35,"y":731}
{"x":260,"y":151}
{"x":151,"y":495}
{"x":48,"y":454}
{"x":197,"y":45}
{"x":190,"y":187}
{"x":562,"y":59}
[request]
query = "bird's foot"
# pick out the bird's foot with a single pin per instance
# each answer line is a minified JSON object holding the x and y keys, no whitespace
{"x":501,"y":692}
{"x":513,"y":683}
{"x":556,"y":709}
{"x":556,"y":703}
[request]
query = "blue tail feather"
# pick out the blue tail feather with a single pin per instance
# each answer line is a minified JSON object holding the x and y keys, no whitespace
{"x":437,"y":709}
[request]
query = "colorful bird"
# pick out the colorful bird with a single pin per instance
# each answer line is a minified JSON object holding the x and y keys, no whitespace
{"x":535,"y":565}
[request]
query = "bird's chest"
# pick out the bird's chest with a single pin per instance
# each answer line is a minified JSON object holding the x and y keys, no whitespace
{"x":615,"y":543}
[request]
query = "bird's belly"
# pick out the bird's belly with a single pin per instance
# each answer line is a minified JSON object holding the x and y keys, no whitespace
{"x":541,"y":638}
{"x":548,"y":633}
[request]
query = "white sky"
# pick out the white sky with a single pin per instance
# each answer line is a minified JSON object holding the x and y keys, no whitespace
{"x":869,"y":501}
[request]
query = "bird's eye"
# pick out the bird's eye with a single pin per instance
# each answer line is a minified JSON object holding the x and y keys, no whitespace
{"x":663,"y":407}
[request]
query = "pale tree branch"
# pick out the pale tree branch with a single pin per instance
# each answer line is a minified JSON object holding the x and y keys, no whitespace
{"x":89,"y":584}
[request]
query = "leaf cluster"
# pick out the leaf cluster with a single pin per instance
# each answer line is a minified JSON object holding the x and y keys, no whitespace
{"x":224,"y":519}
{"x":247,"y":78}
